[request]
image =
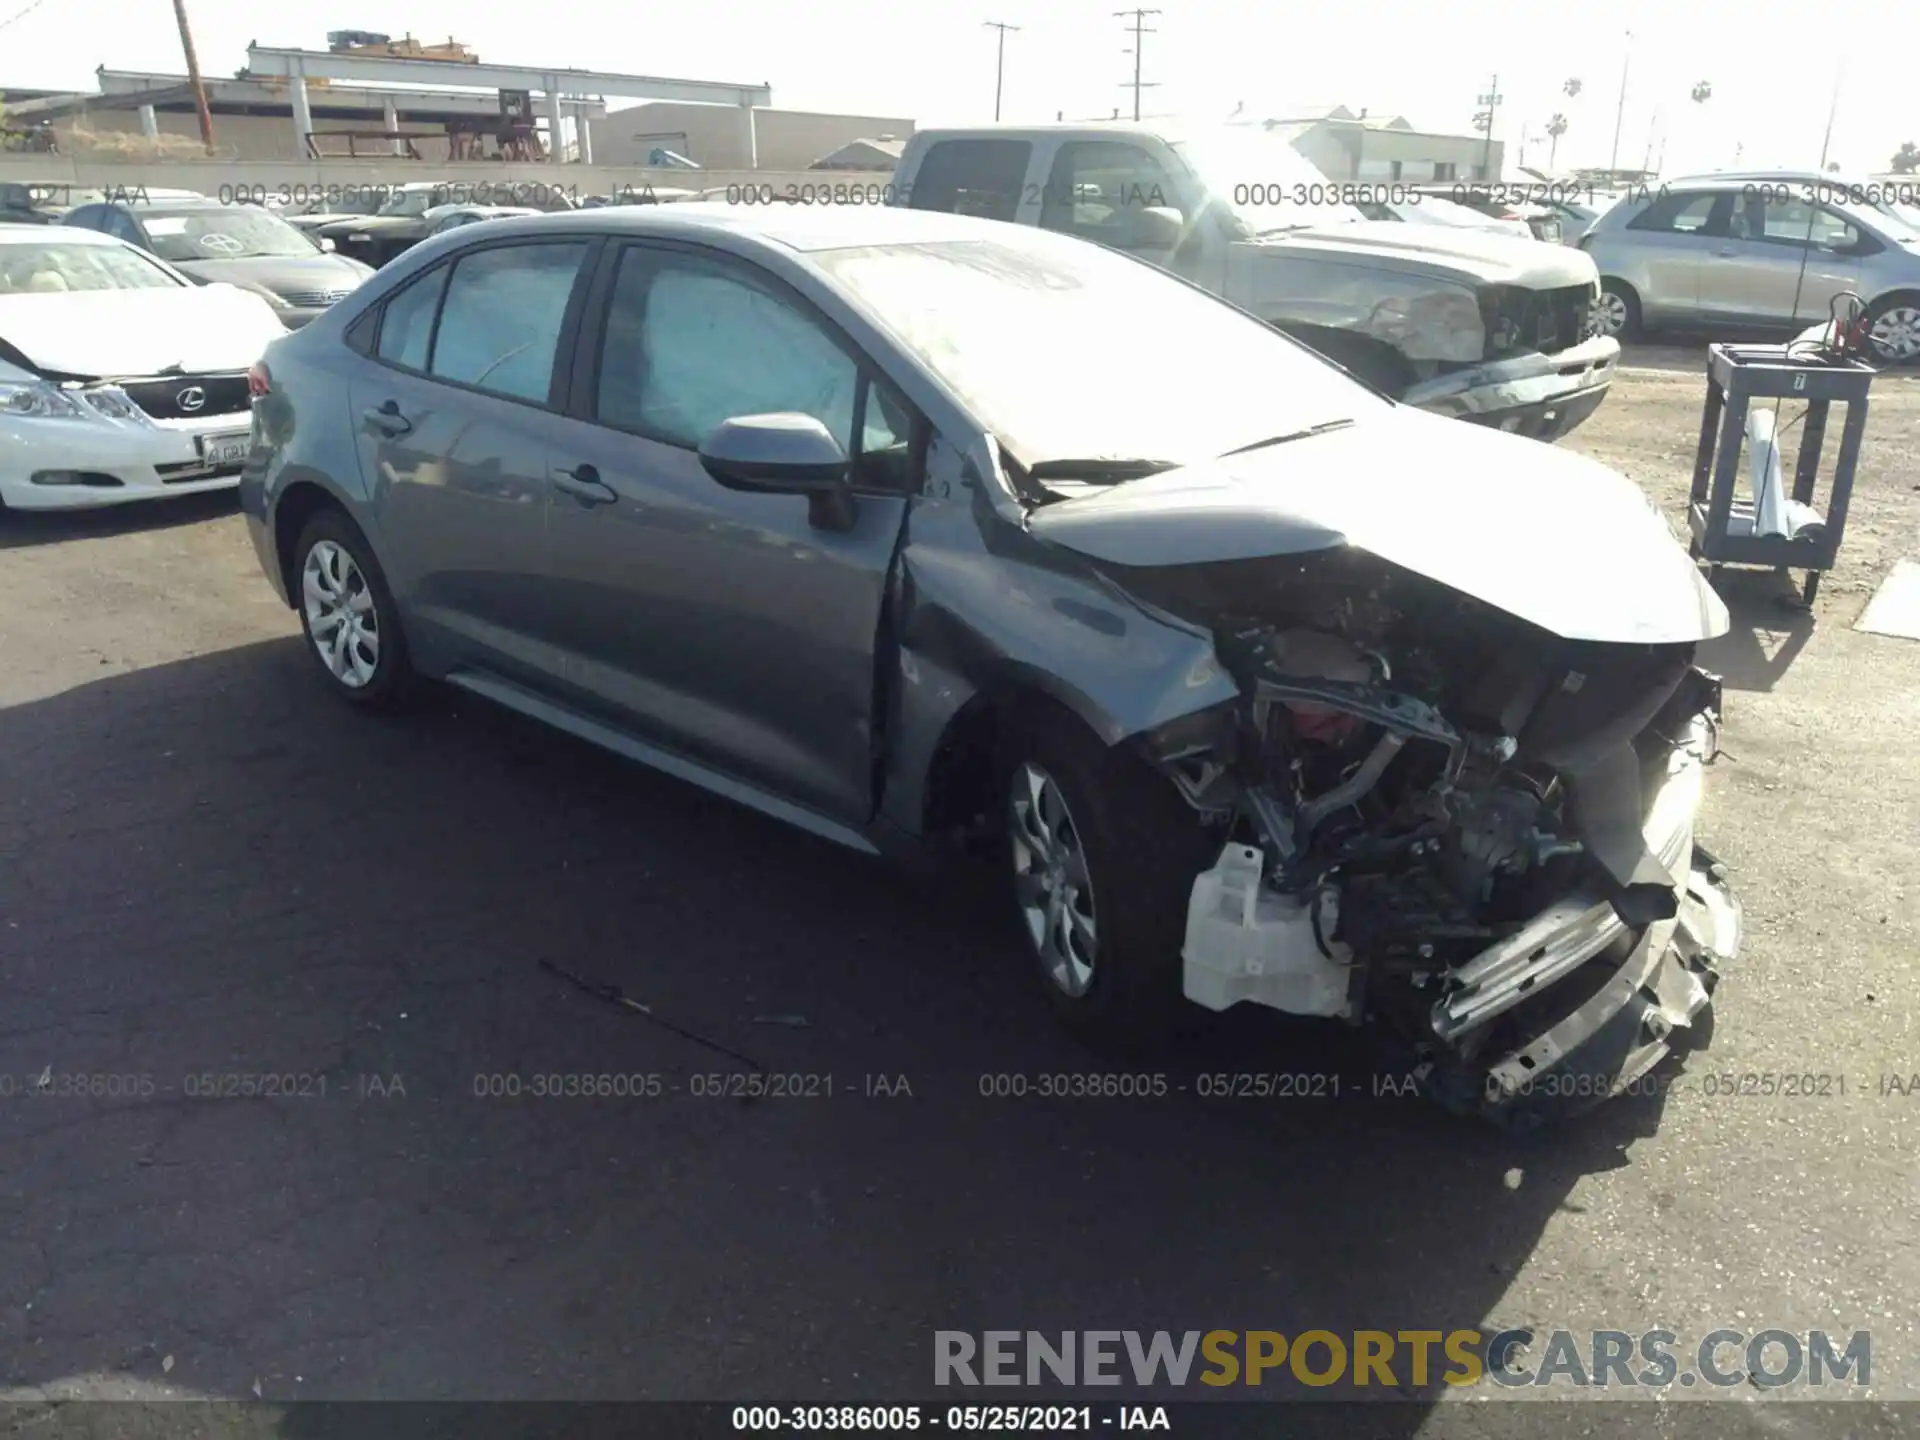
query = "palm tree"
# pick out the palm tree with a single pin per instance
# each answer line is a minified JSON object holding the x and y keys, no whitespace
{"x":1571,"y":89}
{"x":1702,"y":93}
{"x":1556,"y":127}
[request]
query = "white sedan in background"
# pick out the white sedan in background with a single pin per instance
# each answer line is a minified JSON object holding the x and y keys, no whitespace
{"x":120,"y":379}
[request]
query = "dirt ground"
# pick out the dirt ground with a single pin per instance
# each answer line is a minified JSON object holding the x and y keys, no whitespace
{"x":1653,"y":437}
{"x":209,"y":868}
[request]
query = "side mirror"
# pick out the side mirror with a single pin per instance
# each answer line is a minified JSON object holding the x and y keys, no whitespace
{"x":1159,"y":227}
{"x":785,"y":454}
{"x":326,"y":244}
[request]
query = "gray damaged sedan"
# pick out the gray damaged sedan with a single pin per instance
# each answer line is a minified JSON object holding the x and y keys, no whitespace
{"x":903,"y":526}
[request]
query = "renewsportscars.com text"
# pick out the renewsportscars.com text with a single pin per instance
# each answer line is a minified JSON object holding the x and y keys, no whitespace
{"x":1389,"y":1359}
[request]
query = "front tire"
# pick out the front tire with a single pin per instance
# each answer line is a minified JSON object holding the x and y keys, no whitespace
{"x":1101,"y":853}
{"x":348,"y":615}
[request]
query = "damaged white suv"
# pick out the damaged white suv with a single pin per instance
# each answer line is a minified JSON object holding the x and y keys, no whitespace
{"x":896,"y":524}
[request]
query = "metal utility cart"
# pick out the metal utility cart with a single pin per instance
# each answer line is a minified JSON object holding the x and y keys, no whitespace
{"x":1725,"y":528}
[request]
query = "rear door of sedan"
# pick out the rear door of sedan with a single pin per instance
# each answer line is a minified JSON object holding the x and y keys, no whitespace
{"x":724,"y":625}
{"x":454,"y":415}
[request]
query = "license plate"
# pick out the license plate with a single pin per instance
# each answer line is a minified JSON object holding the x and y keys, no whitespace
{"x":219,"y":452}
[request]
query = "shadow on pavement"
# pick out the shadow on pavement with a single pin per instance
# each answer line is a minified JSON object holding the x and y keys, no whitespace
{"x":1768,"y":632}
{"x":50,"y":527}
{"x":216,"y":881}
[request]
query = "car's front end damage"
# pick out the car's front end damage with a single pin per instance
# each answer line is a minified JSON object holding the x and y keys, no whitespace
{"x":1486,"y":328}
{"x":1479,"y":837}
{"x":1456,"y":784}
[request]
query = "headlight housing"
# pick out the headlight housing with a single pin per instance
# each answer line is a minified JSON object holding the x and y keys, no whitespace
{"x":114,"y":403}
{"x":35,"y":400}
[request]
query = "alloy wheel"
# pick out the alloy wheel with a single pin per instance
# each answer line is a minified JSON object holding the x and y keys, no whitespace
{"x":341,"y":617}
{"x":1895,"y":335}
{"x":1609,"y":313}
{"x":1051,"y":882}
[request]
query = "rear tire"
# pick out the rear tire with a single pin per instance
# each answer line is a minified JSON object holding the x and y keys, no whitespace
{"x":348,"y":616}
{"x":1893,"y":330}
{"x":1100,"y":852}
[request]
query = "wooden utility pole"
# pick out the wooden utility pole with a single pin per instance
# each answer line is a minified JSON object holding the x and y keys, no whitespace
{"x":1139,"y":29}
{"x":1000,"y":63}
{"x":193,"y":76}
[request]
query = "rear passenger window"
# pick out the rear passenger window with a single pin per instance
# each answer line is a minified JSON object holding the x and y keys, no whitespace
{"x":1677,"y":214}
{"x":972,"y":177}
{"x":500,"y":325}
{"x":406,"y":325}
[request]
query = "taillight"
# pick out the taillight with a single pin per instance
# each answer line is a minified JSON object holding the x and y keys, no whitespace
{"x":259,"y":379}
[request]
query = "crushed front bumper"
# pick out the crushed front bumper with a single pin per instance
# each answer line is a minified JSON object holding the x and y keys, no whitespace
{"x":1601,"y":1001}
{"x":1538,"y":395}
{"x":1653,"y":1003}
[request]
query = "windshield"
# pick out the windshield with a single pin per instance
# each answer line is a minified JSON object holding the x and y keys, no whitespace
{"x":1068,"y":351}
{"x":407,"y":202}
{"x":233,"y":232}
{"x":56,"y":268}
{"x":1904,"y":218}
{"x":1263,"y":181}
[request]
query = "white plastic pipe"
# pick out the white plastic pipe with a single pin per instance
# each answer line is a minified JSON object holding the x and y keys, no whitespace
{"x":1769,"y":489}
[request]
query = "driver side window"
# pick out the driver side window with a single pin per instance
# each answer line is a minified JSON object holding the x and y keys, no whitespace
{"x":691,"y":342}
{"x":1097,"y":189}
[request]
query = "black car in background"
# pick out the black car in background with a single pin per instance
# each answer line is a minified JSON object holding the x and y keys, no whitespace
{"x":244,"y":245}
{"x":20,"y":206}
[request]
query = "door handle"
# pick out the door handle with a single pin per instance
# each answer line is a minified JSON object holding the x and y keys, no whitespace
{"x":1729,"y":251}
{"x":583,"y":482}
{"x":388,"y":420}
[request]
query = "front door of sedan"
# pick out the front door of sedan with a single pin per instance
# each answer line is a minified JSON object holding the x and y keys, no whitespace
{"x":725,"y":625}
{"x":453,"y":421}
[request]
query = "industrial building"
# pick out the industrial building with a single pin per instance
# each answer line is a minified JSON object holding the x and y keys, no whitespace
{"x":705,"y":134}
{"x":1348,"y":145}
{"x":368,"y":96}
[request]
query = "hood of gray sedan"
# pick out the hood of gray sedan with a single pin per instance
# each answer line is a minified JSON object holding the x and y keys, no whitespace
{"x":282,"y":274}
{"x":1544,"y":534}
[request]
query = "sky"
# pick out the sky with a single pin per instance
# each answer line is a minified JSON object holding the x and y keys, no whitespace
{"x":1773,"y":66}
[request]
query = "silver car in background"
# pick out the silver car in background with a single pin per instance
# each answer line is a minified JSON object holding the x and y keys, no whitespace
{"x":1765,"y":254}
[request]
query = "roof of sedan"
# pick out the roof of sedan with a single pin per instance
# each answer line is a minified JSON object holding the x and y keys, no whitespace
{"x":795,"y":226}
{"x":64,"y":234}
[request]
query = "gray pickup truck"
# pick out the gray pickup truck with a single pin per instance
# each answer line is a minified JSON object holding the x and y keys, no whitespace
{"x":1480,"y":327}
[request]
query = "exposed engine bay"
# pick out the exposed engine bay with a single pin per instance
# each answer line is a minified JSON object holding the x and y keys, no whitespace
{"x":1439,"y":817}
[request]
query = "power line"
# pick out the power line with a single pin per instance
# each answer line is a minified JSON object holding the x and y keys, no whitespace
{"x":1139,"y":29}
{"x":21,"y":14}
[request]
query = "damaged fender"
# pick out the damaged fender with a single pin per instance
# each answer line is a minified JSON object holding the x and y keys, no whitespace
{"x":980,"y":610}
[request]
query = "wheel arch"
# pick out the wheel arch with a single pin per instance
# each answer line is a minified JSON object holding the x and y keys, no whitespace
{"x":293,"y":509}
{"x":957,"y":782}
